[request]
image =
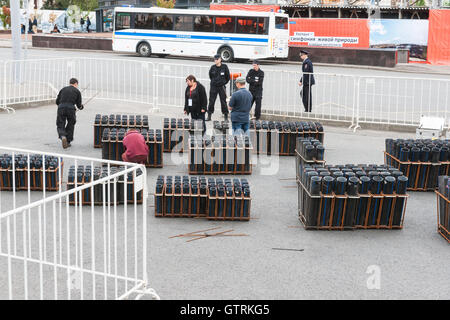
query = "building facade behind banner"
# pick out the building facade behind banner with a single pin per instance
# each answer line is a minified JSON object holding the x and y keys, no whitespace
{"x":439,"y":37}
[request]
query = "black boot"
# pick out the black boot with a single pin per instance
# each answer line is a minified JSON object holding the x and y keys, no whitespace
{"x":209,"y":117}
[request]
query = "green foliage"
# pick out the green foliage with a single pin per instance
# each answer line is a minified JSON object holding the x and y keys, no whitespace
{"x":165,"y":3}
{"x":84,"y":5}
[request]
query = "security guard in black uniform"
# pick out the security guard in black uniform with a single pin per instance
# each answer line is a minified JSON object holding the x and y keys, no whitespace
{"x":219,"y":76}
{"x":67,"y":99}
{"x":255,"y":78}
{"x":307,"y":80}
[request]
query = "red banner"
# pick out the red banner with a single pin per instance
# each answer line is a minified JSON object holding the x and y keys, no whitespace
{"x":246,"y":7}
{"x":336,"y":33}
{"x":439,"y":37}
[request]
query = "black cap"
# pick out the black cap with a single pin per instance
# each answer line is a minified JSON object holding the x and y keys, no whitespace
{"x":217,"y":56}
{"x":255,"y":62}
{"x":304,"y":52}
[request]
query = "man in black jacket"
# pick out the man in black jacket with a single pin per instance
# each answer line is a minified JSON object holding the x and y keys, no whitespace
{"x":195,"y":100}
{"x":255,"y":78}
{"x":219,"y":76}
{"x":307,"y":80}
{"x":67,"y":99}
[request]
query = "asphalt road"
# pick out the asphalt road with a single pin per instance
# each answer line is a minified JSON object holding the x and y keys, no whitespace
{"x":377,"y":96}
{"x":412,"y":263}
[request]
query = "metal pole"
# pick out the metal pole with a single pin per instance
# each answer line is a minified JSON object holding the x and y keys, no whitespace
{"x":16,"y":37}
{"x":25,"y":5}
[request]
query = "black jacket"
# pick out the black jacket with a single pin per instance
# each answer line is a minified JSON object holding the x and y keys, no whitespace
{"x":219,"y":75}
{"x":69,"y":96}
{"x":255,"y":79}
{"x":308,"y":70}
{"x":199,"y":100}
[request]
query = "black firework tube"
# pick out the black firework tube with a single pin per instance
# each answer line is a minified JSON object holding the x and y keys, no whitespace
{"x":320,"y":150}
{"x":443,"y":157}
{"x":327,"y":188}
{"x":220,"y":200}
{"x":131,"y":122}
{"x":231,"y":149}
{"x":361,"y":212}
{"x":87,"y":192}
{"x":151,"y":148}
{"x":247,"y":154}
{"x":208,"y":156}
{"x":194,"y":200}
{"x":105,"y":144}
{"x":414,"y":157}
{"x":388,"y":189}
{"x":185,"y":198}
{"x":168,"y":197}
{"x":124,"y":120}
{"x":402,"y":184}
{"x":246,"y":206}
{"x":166,"y":132}
{"x":375,"y":188}
{"x":192,"y":155}
{"x":340,"y":188}
{"x":21,"y":176}
{"x":237,"y":202}
{"x":435,"y":167}
{"x":120,"y":148}
{"x":38,"y":174}
{"x":352,"y":201}
{"x":443,"y":181}
{"x":112,"y":145}
{"x":229,"y":202}
{"x":404,"y":157}
{"x":312,"y":205}
{"x":217,"y":156}
{"x":177,"y":199}
{"x":97,"y":130}
{"x":446,"y":213}
{"x":70,"y":183}
{"x":310,"y":152}
{"x":424,"y":168}
{"x":159,"y":198}
{"x":212,"y":200}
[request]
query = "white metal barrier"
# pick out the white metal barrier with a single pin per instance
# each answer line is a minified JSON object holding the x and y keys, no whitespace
{"x":351,"y":99}
{"x":68,"y":244}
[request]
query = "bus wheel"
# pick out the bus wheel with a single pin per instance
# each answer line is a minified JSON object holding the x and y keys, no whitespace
{"x":144,"y":50}
{"x":226,"y":54}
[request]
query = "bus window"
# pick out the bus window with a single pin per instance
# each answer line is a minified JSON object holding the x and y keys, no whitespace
{"x":225,"y":24}
{"x":203,"y":24}
{"x":263,"y":24}
{"x":163,"y":22}
{"x":184,"y":23}
{"x":143,"y":21}
{"x":281,"y":23}
{"x":123,"y":21}
{"x":246,"y":25}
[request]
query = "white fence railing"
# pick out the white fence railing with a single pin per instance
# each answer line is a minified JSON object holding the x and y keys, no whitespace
{"x":88,"y":241}
{"x":352,"y":99}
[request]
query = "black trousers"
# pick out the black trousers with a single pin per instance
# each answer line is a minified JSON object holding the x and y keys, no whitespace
{"x":65,"y":122}
{"x":257,"y":101}
{"x":307,"y":97}
{"x":213,"y":92}
{"x":199,"y":116}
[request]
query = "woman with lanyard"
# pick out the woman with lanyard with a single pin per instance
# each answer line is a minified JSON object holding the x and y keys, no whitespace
{"x":195,"y":102}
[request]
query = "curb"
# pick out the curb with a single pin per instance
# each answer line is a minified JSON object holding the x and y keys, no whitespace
{"x":298,"y":63}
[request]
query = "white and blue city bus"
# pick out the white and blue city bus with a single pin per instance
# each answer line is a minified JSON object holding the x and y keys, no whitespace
{"x":233,"y":34}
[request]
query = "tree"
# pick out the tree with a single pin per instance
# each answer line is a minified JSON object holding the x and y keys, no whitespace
{"x":165,"y":3}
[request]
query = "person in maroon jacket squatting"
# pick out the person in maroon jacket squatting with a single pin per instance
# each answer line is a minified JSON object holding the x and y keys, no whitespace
{"x":136,"y":150}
